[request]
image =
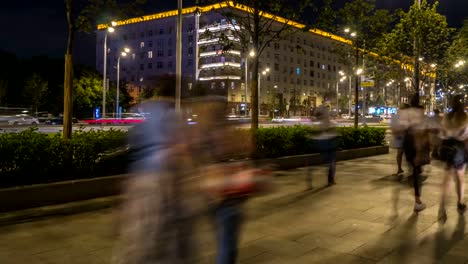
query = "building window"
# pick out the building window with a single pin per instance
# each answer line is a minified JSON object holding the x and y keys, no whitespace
{"x":311,"y":82}
{"x":169,"y":64}
{"x":160,"y":53}
{"x":213,"y":85}
{"x":190,"y":38}
{"x":277,"y":46}
{"x":169,"y":30}
{"x":125,"y":37}
{"x":159,"y":65}
{"x":142,"y":34}
{"x":150,"y":43}
{"x":233,"y":97}
{"x":223,"y":85}
{"x":276,"y":66}
{"x":150,"y":33}
{"x":268,"y":78}
{"x":142,"y":44}
{"x":190,"y":50}
{"x":142,"y":67}
{"x":190,"y":27}
{"x":311,"y":63}
{"x":243,"y":98}
{"x":150,"y":54}
{"x":150,"y":65}
{"x":323,"y":67}
{"x":133,"y":56}
{"x":318,"y":65}
{"x":161,"y":31}
{"x":298,"y":71}
{"x":233,"y":85}
{"x":311,"y":73}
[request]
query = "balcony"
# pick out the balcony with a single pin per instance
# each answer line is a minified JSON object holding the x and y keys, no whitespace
{"x":216,"y":40}
{"x":221,"y":77}
{"x":220,"y":64}
{"x":219,"y":52}
{"x":218,"y":27}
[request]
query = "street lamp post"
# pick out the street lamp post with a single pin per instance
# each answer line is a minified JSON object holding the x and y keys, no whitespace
{"x":122,"y":54}
{"x":264,"y":72}
{"x":251,"y":54}
{"x":356,"y":90}
{"x":104,"y":73}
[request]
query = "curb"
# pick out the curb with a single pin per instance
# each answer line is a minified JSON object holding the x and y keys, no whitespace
{"x":37,"y":213}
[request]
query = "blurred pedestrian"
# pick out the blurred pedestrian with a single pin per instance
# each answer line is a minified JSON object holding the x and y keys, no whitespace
{"x":161,"y":194}
{"x":416,"y":145}
{"x":454,"y":134}
{"x":226,"y":184}
{"x":398,"y":133}
{"x":435,"y":126}
{"x":326,"y":142}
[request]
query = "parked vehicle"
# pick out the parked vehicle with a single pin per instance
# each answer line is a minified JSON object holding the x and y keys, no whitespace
{"x":59,"y":121}
{"x":23,"y":120}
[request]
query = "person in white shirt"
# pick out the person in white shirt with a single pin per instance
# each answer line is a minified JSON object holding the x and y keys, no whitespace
{"x":454,"y":135}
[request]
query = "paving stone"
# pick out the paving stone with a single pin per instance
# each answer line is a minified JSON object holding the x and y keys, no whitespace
{"x":366,"y":218}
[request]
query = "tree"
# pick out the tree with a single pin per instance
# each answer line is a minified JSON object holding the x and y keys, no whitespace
{"x":259,"y":26}
{"x":368,"y":25}
{"x":81,"y":17}
{"x":87,"y":87}
{"x":421,"y":34}
{"x":451,"y":73}
{"x":35,"y":89}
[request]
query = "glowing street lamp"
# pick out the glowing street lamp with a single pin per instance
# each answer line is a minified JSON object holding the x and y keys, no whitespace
{"x":122,"y":54}
{"x":104,"y":73}
{"x":359,"y":71}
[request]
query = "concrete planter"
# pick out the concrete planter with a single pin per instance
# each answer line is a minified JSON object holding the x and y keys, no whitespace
{"x":23,"y":197}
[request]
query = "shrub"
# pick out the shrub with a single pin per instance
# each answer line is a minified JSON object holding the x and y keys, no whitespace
{"x":32,"y":157}
{"x":299,"y":139}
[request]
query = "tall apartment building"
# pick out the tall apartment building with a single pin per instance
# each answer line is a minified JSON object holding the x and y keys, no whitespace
{"x":303,"y":68}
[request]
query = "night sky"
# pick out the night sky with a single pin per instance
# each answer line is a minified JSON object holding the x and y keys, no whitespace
{"x":38,"y":27}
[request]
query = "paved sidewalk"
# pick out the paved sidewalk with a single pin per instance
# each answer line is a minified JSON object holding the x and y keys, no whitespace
{"x":366,"y":218}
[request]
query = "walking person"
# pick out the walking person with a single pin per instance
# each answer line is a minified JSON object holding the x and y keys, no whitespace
{"x":398,"y":134}
{"x":435,"y":123}
{"x":416,"y":146}
{"x":326,"y":142}
{"x":161,"y":195}
{"x":454,"y":134}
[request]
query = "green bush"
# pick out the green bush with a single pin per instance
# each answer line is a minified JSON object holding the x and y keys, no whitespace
{"x":31,"y":157}
{"x":299,"y":139}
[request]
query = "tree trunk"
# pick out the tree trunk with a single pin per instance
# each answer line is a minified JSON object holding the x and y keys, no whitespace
{"x":68,"y":76}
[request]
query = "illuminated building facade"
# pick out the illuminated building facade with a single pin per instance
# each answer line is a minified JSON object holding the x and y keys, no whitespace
{"x":303,"y":68}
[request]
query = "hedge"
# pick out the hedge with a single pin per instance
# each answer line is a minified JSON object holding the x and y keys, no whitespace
{"x":31,"y":157}
{"x":296,"y":140}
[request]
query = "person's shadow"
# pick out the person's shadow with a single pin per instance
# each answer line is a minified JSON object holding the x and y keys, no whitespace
{"x":443,"y":243}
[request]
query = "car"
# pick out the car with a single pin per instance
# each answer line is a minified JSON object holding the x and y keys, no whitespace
{"x":277,"y":120}
{"x":23,"y":120}
{"x":59,"y":121}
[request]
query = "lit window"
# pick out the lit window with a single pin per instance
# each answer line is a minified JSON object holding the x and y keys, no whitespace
{"x":133,"y":56}
{"x":213,"y":85}
{"x":150,"y":54}
{"x":298,"y":71}
{"x":233,"y":85}
{"x":324,"y":66}
{"x":142,"y":44}
{"x":223,"y":85}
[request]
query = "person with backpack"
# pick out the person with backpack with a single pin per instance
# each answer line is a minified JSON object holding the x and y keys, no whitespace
{"x":454,"y":135}
{"x":416,"y":146}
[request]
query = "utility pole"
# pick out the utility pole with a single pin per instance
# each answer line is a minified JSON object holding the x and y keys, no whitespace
{"x":178,"y":57}
{"x":356,"y":91}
